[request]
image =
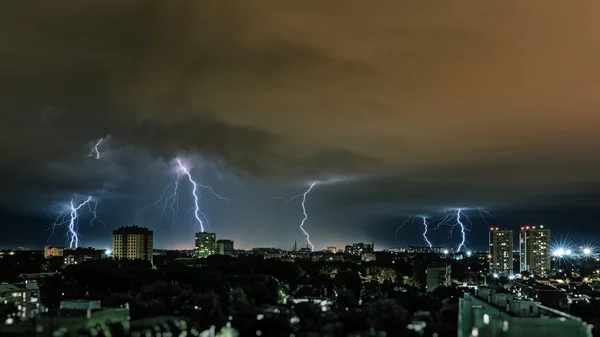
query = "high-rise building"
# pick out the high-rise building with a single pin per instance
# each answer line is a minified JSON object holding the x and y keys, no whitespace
{"x":224,"y":247}
{"x":132,"y":242}
{"x":206,"y":244}
{"x":535,"y":250}
{"x":501,"y":252}
{"x":332,"y":249}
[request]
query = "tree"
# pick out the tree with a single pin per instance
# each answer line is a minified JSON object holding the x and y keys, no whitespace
{"x":238,"y":301}
{"x":346,"y":299}
{"x":7,"y":310}
{"x":55,"y":263}
{"x":378,"y":275}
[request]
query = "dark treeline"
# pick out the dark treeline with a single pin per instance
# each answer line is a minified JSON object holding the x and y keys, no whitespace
{"x":255,"y":294}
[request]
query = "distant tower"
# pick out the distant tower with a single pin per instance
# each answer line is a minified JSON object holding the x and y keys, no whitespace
{"x":206,"y":244}
{"x":535,"y":250}
{"x":501,"y":251}
{"x":295,"y":247}
{"x":132,"y":242}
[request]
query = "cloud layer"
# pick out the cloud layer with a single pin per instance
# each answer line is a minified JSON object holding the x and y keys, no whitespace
{"x":438,"y":104}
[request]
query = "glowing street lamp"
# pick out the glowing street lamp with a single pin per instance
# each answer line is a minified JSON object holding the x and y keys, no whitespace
{"x":587,"y":251}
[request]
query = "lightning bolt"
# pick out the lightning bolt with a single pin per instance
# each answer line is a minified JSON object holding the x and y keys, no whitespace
{"x":454,"y":219}
{"x":462,"y":229}
{"x":303,"y":196}
{"x":483,"y":212}
{"x":71,"y":217}
{"x":170,"y":195}
{"x":425,"y":227}
{"x":197,"y":210}
{"x":306,"y":216}
{"x":96,"y":150}
{"x":410,"y":219}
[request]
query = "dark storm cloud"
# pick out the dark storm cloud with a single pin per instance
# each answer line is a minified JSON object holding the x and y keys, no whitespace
{"x":127,"y":69}
{"x":443,"y":104}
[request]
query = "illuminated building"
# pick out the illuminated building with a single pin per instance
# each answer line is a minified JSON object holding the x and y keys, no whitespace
{"x":332,"y":249}
{"x":501,"y":252}
{"x":206,"y":244}
{"x":368,"y":257}
{"x":80,"y":254}
{"x":132,"y":242}
{"x":535,"y":250}
{"x":25,"y":296}
{"x":52,"y":251}
{"x":358,"y":249}
{"x":224,"y":247}
{"x":425,"y":250}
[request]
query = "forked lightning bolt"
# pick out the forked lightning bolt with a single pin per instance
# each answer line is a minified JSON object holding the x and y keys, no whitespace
{"x":306,"y":215}
{"x":462,"y":230}
{"x":425,"y":227}
{"x":454,"y":218}
{"x":303,"y":195}
{"x":71,"y":217}
{"x":197,"y":210}
{"x":170,"y":195}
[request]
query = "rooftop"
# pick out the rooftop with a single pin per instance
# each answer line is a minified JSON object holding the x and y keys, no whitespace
{"x":508,"y":303}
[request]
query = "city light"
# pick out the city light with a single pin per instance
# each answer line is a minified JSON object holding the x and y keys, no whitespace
{"x":559,"y":252}
{"x":496,"y":275}
{"x":469,"y":253}
{"x":587,"y":251}
{"x":446,"y":251}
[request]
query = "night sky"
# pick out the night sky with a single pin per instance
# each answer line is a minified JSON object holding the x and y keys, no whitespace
{"x":400,"y":109}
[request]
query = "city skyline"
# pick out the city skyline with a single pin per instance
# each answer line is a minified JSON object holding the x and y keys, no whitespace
{"x":399,"y":110}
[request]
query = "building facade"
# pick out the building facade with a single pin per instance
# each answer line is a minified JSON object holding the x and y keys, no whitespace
{"x":358,"y":249}
{"x":133,"y":242}
{"x":25,"y":296}
{"x":50,"y":251}
{"x":80,"y":254}
{"x":501,"y":252}
{"x":491,"y":313}
{"x":534,"y":253}
{"x":225,"y":247}
{"x":206,"y":244}
{"x":438,"y":276}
